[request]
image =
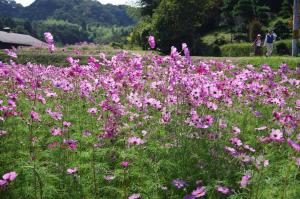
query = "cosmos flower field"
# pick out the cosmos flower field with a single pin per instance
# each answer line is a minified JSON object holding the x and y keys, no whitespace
{"x":149,"y":126}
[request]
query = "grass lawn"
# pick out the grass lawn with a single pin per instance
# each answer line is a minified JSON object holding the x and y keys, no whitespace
{"x":274,"y":62}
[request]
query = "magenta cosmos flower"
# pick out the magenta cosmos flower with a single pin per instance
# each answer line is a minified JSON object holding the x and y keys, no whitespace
{"x":245,"y":180}
{"x":3,"y":183}
{"x":124,"y":164}
{"x":179,"y":183}
{"x":151,"y":41}
{"x":72,"y":170}
{"x":298,"y":104}
{"x":11,"y":53}
{"x":35,"y":116}
{"x":50,"y":41}
{"x":224,"y":190}
{"x":56,"y":131}
{"x":236,"y":130}
{"x":48,"y":38}
{"x":10,"y":176}
{"x":72,"y":144}
{"x":294,"y":145}
{"x":135,"y":196}
{"x":135,"y":141}
{"x":109,"y":178}
{"x":199,"y":192}
{"x":276,"y":135}
{"x":93,"y":110}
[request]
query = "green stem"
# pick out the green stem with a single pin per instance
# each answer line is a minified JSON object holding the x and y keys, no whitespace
{"x":286,"y":182}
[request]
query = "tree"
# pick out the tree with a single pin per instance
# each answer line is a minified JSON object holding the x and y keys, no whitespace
{"x":228,"y":15}
{"x":176,"y":22}
{"x":286,"y":9}
{"x":148,"y":6}
{"x":244,"y":10}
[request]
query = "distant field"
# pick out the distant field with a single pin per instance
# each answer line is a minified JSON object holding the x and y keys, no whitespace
{"x":82,"y":52}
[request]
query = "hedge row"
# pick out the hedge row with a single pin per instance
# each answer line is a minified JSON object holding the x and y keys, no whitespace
{"x":283,"y":47}
{"x":44,"y":58}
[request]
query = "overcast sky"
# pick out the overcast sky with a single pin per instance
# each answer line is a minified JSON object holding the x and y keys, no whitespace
{"x":116,"y":2}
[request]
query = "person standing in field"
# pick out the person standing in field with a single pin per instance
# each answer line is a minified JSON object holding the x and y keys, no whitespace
{"x":269,"y":40}
{"x":257,"y":45}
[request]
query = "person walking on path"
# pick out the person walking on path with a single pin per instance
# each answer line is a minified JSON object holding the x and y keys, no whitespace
{"x":269,"y":40}
{"x":257,"y":45}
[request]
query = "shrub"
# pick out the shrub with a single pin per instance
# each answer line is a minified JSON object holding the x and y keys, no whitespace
{"x":236,"y":50}
{"x":116,"y":45}
{"x":282,"y":49}
{"x":45,"y":59}
{"x":282,"y":29}
{"x":240,"y":37}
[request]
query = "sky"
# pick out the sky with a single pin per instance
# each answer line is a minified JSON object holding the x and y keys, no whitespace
{"x":116,"y":2}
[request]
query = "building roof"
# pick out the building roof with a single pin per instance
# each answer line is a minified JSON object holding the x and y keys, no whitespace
{"x":20,"y":39}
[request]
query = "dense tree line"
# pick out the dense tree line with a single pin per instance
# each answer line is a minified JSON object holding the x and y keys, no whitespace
{"x":74,"y":11}
{"x":70,"y":21}
{"x":174,"y":21}
{"x":68,"y":33}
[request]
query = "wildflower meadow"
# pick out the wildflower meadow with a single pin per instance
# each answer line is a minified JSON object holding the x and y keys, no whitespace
{"x":148,"y":126}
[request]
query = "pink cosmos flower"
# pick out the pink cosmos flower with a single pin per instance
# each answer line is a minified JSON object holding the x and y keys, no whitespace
{"x":264,"y":139}
{"x":236,"y":130}
{"x":166,"y":116}
{"x":186,"y":51}
{"x":2,"y":133}
{"x":35,"y":116}
{"x":236,"y":141}
{"x":199,"y":192}
{"x":86,"y":133}
{"x":224,"y":190}
{"x":298,"y":104}
{"x":72,"y":144}
{"x":135,"y":141}
{"x":151,"y":41}
{"x":266,"y":163}
{"x":66,"y":124}
{"x":261,"y":128}
{"x":222,"y":124}
{"x":294,"y":145}
{"x":50,"y":41}
{"x":231,"y":151}
{"x":72,"y":170}
{"x":276,"y":135}
{"x":124,"y":164}
{"x":135,"y":196}
{"x":48,"y":38}
{"x":297,"y":160}
{"x":53,"y":144}
{"x":245,"y":180}
{"x":51,"y":48}
{"x":174,"y":53}
{"x":11,"y":53}
{"x":56,"y":131}
{"x":3,"y":183}
{"x":179,"y":183}
{"x":109,"y":178}
{"x":54,"y":115}
{"x":92,"y":110}
{"x":247,"y":147}
{"x":10,"y":176}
